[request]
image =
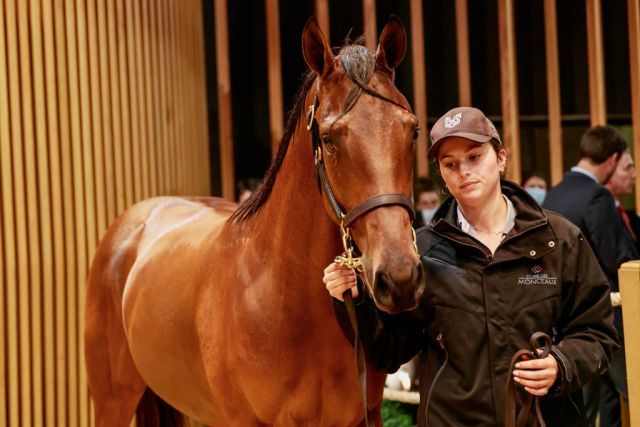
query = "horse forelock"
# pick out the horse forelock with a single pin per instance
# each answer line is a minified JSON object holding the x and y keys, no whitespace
{"x":358,"y":62}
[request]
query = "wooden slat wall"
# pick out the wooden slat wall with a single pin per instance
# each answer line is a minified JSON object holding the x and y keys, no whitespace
{"x":462,"y":44}
{"x":553,"y":90}
{"x":509,"y":85}
{"x":102,"y":104}
{"x":274,"y":71}
{"x":225,"y":134}
{"x":597,"y":92}
{"x":419,"y":85}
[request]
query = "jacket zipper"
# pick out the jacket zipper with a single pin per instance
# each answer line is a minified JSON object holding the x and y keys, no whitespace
{"x":436,"y":376}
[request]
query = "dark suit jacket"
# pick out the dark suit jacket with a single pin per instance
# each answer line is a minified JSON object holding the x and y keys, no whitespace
{"x":591,"y":207}
{"x":634,"y":219}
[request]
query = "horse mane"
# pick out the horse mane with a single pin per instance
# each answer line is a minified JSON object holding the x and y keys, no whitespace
{"x":359,"y":65}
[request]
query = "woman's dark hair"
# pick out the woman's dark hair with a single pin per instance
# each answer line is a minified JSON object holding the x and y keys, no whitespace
{"x":601,"y":142}
{"x":528,"y":175}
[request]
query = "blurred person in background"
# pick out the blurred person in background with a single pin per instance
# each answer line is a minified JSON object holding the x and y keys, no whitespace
{"x":427,"y":199}
{"x":620,"y":185}
{"x":582,"y":198}
{"x":245,"y":187}
{"x":536,"y":185}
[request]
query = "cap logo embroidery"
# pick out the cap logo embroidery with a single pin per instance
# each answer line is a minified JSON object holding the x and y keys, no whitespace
{"x":451,"y":122}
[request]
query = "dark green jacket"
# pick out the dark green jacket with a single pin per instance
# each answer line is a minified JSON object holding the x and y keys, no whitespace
{"x":480,"y":309}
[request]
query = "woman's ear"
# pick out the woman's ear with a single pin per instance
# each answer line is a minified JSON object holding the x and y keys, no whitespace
{"x":502,"y":160}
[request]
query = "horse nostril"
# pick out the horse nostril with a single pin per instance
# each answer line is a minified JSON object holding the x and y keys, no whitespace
{"x":382,"y":287}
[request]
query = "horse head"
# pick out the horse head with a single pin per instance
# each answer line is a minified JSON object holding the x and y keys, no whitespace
{"x":363,"y":135}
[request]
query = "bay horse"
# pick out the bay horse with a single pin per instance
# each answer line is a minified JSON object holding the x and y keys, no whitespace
{"x":221,"y":312}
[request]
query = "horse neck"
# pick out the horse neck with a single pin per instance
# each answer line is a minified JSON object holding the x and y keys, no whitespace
{"x":294,"y":223}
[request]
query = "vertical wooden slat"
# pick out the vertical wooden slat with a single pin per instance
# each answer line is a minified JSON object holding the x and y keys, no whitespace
{"x":142,"y":106}
{"x":100,"y":198}
{"x":57,"y":396}
{"x":9,"y":241}
{"x":108,"y":136}
{"x":149,"y":79}
{"x":179,"y":83}
{"x":369,"y":19}
{"x":204,"y":176}
{"x":34,"y":313}
{"x":224,"y":100}
{"x":462,"y":50}
{"x":321,"y":9}
{"x":19,"y":201}
{"x":88,"y":169}
{"x":125,"y":111}
{"x":509,"y":88}
{"x":157,"y":31}
{"x":42,"y":300}
{"x":419,"y":84}
{"x":79,"y":210}
{"x":114,"y":76}
{"x":597,"y":98}
{"x":633,"y":13}
{"x":165,"y":94}
{"x":274,"y":70}
{"x":66,"y":390}
{"x":132,"y":100}
{"x":173,"y":97}
{"x":553,"y":90}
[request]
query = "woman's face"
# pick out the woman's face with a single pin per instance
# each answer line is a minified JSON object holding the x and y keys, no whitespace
{"x":471,"y":169}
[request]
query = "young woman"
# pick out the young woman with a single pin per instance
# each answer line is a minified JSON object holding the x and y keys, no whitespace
{"x":498,"y":269}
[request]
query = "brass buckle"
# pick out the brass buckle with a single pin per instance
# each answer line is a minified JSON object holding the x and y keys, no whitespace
{"x":311,"y":116}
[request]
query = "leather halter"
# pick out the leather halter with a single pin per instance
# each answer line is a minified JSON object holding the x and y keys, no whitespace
{"x":371,"y":203}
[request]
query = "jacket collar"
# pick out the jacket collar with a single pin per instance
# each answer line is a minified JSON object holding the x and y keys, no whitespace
{"x":529,"y":217}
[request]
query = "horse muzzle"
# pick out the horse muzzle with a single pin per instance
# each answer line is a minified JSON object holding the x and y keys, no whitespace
{"x":398,"y":289}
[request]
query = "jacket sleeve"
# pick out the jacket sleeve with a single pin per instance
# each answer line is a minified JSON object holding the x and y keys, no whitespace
{"x":610,"y":241}
{"x":389,"y":340}
{"x":586,"y":331}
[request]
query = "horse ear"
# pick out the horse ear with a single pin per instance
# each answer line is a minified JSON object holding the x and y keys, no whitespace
{"x":392,"y":45}
{"x":315,"y":49}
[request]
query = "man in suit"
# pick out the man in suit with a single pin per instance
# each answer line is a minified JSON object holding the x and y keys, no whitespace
{"x":621,"y":185}
{"x":582,"y":198}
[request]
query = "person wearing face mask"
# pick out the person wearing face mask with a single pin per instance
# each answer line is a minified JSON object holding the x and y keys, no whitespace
{"x":582,"y":198}
{"x":536,"y":185}
{"x":427,"y":200}
{"x":498,"y":268}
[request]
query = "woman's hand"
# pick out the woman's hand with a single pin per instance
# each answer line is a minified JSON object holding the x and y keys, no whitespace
{"x":338,"y":279}
{"x":537,"y":375}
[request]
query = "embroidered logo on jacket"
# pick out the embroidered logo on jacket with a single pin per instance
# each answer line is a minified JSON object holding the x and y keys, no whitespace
{"x":537,"y":278}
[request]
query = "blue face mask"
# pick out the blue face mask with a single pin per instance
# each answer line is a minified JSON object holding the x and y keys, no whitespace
{"x":427,"y":214}
{"x":537,"y":193}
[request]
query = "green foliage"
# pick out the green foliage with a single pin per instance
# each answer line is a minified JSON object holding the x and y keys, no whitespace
{"x":395,"y":414}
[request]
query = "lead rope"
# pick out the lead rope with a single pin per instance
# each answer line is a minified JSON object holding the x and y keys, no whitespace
{"x":355,"y":263}
{"x":529,"y":403}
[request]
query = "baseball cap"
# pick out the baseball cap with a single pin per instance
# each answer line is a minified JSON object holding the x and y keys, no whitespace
{"x":466,"y":122}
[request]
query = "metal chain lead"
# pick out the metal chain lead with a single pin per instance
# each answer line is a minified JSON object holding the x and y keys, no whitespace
{"x":348,"y":260}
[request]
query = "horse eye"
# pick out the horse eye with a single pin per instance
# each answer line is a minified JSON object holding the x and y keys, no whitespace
{"x":328,"y":143}
{"x":416,"y":133}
